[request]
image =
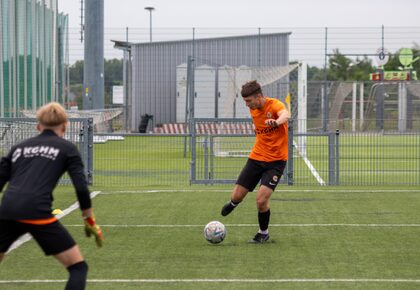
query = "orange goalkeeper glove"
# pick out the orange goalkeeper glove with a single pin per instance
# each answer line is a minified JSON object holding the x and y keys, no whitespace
{"x":91,"y":228}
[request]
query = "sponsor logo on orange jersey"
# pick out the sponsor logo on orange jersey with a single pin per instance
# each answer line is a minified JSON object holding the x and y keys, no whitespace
{"x":265,"y":130}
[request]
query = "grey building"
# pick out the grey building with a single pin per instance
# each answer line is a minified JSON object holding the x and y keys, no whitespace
{"x":154,"y":65}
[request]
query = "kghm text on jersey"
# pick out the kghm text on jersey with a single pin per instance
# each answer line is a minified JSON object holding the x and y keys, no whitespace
{"x":265,"y":130}
{"x":35,"y":151}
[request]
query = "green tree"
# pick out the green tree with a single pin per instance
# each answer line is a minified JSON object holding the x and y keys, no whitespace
{"x":342,"y":68}
{"x":338,"y":66}
{"x":360,"y":69}
{"x":315,"y":73}
{"x":113,"y":73}
{"x":76,"y":72}
{"x":113,"y":77}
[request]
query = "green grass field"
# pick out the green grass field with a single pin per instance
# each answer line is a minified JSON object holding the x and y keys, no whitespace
{"x":322,"y":238}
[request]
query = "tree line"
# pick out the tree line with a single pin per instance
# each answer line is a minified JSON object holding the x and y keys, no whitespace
{"x":339,"y":68}
{"x":343,"y":68}
{"x":113,"y":76}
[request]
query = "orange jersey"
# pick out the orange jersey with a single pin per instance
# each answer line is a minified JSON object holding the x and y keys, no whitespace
{"x":271,"y":143}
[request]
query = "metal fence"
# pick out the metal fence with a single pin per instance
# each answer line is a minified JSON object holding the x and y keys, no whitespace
{"x":135,"y":160}
{"x":157,"y":94}
{"x":220,"y":148}
{"x":310,"y":44}
{"x":79,"y":131}
{"x":215,"y":154}
{"x":363,"y":106}
{"x":214,"y":157}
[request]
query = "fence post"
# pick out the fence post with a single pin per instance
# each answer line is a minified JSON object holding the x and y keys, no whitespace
{"x":206,"y":157}
{"x":89,"y":148}
{"x":290,"y":154}
{"x":331,"y":158}
{"x":211,"y":174}
{"x":190,"y":94}
{"x":337,"y":157}
{"x":193,"y":151}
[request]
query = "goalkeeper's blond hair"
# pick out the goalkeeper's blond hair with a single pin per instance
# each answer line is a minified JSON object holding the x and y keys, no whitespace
{"x":52,"y":115}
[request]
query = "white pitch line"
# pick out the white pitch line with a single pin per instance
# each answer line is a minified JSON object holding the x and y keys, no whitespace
{"x":295,"y":280}
{"x":27,"y":237}
{"x":255,"y":225}
{"x":280,"y":190}
{"x":309,"y":164}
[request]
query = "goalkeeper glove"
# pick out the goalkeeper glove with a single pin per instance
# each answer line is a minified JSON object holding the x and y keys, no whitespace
{"x":91,"y":228}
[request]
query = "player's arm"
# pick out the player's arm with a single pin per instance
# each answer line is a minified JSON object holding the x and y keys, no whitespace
{"x":283,"y":117}
{"x":76,"y":172}
{"x":5,"y":169}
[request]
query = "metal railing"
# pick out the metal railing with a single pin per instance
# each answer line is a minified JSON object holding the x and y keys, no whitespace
{"x":219,"y":155}
{"x":163,"y":160}
{"x":79,"y":131}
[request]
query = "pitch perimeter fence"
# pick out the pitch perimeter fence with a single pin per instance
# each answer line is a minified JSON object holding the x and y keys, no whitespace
{"x":79,"y":131}
{"x":215,"y":154}
{"x":216,"y":151}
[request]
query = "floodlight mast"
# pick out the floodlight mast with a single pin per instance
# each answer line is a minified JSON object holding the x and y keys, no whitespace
{"x":150,"y":9}
{"x":93,"y":75}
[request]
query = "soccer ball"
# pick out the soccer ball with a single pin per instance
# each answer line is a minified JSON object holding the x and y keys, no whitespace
{"x":214,"y":232}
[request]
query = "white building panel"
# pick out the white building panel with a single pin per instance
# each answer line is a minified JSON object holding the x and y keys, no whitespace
{"x":204,"y":97}
{"x":181,"y":92}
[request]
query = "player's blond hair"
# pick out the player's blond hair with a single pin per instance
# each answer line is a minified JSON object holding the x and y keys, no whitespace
{"x":51,"y":115}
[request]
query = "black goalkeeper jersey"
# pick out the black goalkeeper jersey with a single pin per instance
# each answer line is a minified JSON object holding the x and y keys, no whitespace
{"x":33,"y":169}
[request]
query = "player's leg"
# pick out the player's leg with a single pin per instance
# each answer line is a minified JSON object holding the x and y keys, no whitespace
{"x":70,"y":257}
{"x":263,"y":206}
{"x":238,"y":194}
{"x":55,"y":240}
{"x":247,"y":181}
{"x":269,"y":181}
{"x":263,"y":198}
{"x":73,"y":260}
{"x":10,"y":231}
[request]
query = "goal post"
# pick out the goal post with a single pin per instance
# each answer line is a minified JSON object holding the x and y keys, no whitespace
{"x":302,"y":96}
{"x":218,"y":99}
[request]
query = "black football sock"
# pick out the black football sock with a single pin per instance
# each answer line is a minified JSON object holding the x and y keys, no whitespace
{"x":263,"y":220}
{"x":78,"y":275}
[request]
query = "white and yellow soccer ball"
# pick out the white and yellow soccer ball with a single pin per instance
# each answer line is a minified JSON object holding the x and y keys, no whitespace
{"x":215,"y":232}
{"x":57,"y":211}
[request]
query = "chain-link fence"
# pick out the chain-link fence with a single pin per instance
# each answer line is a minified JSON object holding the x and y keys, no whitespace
{"x":79,"y":131}
{"x":309,"y":44}
{"x":215,"y":157}
{"x":218,"y":151}
{"x":378,"y":122}
{"x":364,"y":106}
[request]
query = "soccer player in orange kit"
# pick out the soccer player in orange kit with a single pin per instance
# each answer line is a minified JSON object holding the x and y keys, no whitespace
{"x":268,"y":157}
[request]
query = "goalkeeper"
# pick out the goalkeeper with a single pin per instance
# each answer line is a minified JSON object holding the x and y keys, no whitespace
{"x":32,"y":170}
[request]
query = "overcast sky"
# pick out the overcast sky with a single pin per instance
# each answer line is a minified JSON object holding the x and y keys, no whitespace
{"x":247,"y":13}
{"x":305,"y":19}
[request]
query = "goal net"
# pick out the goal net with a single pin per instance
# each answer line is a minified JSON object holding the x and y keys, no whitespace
{"x":103,"y":119}
{"x":218,"y":99}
